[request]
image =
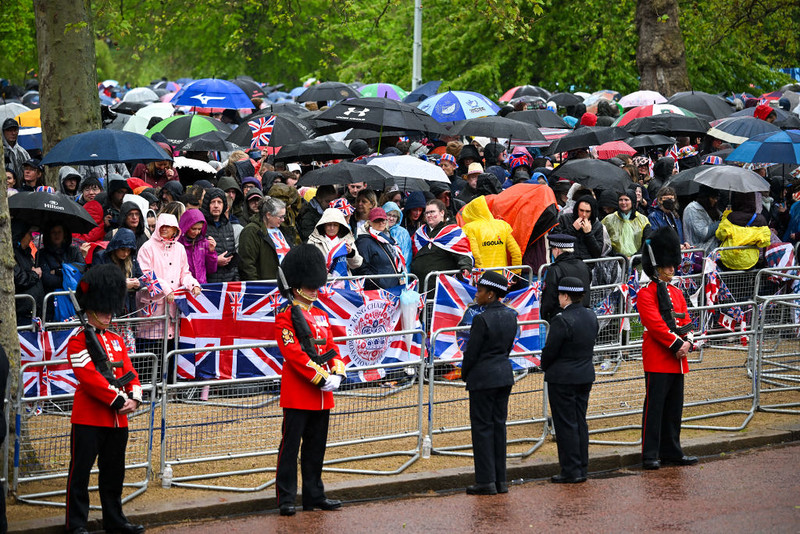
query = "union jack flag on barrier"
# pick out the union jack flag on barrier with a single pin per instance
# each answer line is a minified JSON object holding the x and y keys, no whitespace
{"x":261,"y":129}
{"x":239,"y":313}
{"x":453,"y":307}
{"x":149,"y":281}
{"x":55,"y":379}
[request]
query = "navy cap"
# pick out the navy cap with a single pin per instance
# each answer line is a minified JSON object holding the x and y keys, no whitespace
{"x":561,"y":240}
{"x":570,"y":284}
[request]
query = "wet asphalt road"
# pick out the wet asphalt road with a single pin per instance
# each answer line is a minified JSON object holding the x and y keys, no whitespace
{"x":757,"y":491}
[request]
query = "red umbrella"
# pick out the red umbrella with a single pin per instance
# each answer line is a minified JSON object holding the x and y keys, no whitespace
{"x":614,"y":148}
{"x":651,"y":110}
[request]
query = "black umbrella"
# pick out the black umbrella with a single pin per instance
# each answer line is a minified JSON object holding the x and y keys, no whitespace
{"x":100,"y":147}
{"x":667,"y":123}
{"x":594,"y":174}
{"x":785,"y":120}
{"x":42,"y":209}
{"x":684,"y":183}
{"x":587,"y":136}
{"x":649,"y":140}
{"x":703,"y":103}
{"x":328,"y":91}
{"x":380,"y":114}
{"x":422,"y":92}
{"x":282,"y":131}
{"x":526,"y":90}
{"x":360,"y":133}
{"x":405,"y":183}
{"x":209,"y":141}
{"x":348,"y":173}
{"x":250,"y":88}
{"x":284,"y":108}
{"x":130,"y":107}
{"x":541,"y":118}
{"x":565,"y":99}
{"x":495,"y":126}
{"x":314,"y":150}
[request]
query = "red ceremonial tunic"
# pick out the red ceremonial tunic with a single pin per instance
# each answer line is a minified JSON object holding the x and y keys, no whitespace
{"x":97,"y":401}
{"x":301,"y":378}
{"x":660,"y":345}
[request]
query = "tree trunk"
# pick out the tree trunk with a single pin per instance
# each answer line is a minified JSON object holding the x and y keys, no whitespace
{"x":8,"y":326}
{"x":67,"y":71}
{"x":661,"y":55}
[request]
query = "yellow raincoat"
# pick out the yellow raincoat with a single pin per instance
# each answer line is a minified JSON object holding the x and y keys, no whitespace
{"x":732,"y":235}
{"x":490,"y":239}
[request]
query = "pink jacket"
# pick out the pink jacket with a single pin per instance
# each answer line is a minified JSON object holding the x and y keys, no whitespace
{"x":167,"y":260}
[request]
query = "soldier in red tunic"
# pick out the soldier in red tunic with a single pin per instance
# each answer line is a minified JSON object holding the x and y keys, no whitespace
{"x":666,"y":344}
{"x":108,"y":390}
{"x":312,"y":370}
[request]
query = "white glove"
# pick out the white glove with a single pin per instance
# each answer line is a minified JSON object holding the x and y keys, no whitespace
{"x":332,"y":383}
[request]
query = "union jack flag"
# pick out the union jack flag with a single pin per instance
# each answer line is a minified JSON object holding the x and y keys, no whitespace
{"x":149,"y":309}
{"x":336,"y":261}
{"x":262,"y":131}
{"x":673,"y":153}
{"x":56,"y":379}
{"x":452,"y":301}
{"x":605,"y":306}
{"x":450,"y":238}
{"x":149,"y":281}
{"x":633,"y":288}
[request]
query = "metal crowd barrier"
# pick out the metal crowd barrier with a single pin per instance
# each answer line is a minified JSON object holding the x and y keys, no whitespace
{"x":28,"y":327}
{"x":448,"y":407}
{"x":201,"y":433}
{"x":42,"y":440}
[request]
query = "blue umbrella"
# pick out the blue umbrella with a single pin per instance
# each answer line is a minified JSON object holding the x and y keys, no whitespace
{"x":422,"y":92}
{"x":212,"y":93}
{"x":30,"y":138}
{"x":458,"y":106}
{"x":737,"y":130}
{"x":100,"y":147}
{"x":772,"y":147}
{"x":297,"y":91}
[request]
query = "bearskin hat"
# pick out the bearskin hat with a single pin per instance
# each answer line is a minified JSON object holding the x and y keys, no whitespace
{"x":304,"y":266}
{"x":102,"y":289}
{"x":665,"y":248}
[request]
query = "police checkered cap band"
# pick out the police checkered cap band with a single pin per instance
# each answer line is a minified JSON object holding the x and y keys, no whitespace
{"x":561,"y":240}
{"x":491,"y":283}
{"x":571,"y":289}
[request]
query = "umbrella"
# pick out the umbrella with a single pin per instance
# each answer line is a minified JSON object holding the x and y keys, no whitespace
{"x":785,"y":119}
{"x":525,"y":90}
{"x":386,"y":90}
{"x":667,"y":123}
{"x":732,"y":178}
{"x":642,"y":98}
{"x":775,"y":147}
{"x":213,"y":140}
{"x":702,"y":103}
{"x":587,"y":136}
{"x":792,"y":122}
{"x":134,"y":124}
{"x":43,"y":209}
{"x":289,"y":108}
{"x":275,"y":130}
{"x":411,"y":184}
{"x":347,"y":173}
{"x":140,"y":94}
{"x":649,"y":111}
{"x":11,"y":110}
{"x":603,"y":94}
{"x":594,"y":174}
{"x":409,"y":167}
{"x":613,"y":149}
{"x":192,"y":170}
{"x":250,"y":88}
{"x":167,"y":86}
{"x":31,"y":99}
{"x":380,"y":114}
{"x":422,"y":92}
{"x":458,"y":105}
{"x":179,"y":128}
{"x":99,"y":147}
{"x":30,"y":119}
{"x":314,"y":150}
{"x":30,"y":138}
{"x":360,"y":133}
{"x":684,"y":182}
{"x":565,"y":99}
{"x":737,"y":130}
{"x":531,"y":102}
{"x":212,"y":93}
{"x":130,"y":107}
{"x":649,"y":140}
{"x":495,"y":126}
{"x":541,"y":118}
{"x":159,"y":109}
{"x":328,"y":91}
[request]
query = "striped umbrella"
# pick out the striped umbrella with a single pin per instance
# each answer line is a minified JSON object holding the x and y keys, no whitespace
{"x":179,"y":128}
{"x":651,"y":110}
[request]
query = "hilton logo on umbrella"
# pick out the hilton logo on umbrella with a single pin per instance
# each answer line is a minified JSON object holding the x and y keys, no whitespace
{"x":361,"y":112}
{"x":53,"y":205}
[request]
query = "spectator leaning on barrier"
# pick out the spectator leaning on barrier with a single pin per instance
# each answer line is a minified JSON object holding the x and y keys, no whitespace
{"x":742,"y":226}
{"x":56,"y":250}
{"x":121,"y":251}
{"x":27,"y":277}
{"x":439,"y":246}
{"x":564,"y":263}
{"x":584,"y":225}
{"x":627,"y":228}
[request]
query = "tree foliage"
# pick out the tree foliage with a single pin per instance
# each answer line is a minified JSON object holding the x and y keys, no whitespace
{"x":488,"y":47}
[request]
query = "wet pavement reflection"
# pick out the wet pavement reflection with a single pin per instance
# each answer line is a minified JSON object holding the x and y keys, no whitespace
{"x":755,"y":491}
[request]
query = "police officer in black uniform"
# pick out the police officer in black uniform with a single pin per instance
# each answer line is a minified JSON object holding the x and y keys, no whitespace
{"x":569,"y":373}
{"x":489,"y":376}
{"x":565,"y":263}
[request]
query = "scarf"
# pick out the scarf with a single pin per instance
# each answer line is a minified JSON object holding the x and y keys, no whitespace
{"x":450,"y":238}
{"x":392,"y":249}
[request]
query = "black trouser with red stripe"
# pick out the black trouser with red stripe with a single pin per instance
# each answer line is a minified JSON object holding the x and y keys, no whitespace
{"x":661,"y":417}
{"x":310,"y":426}
{"x":107,"y":445}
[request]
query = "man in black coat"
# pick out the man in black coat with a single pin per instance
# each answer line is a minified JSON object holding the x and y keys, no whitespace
{"x":487,"y":371}
{"x":565,"y":263}
{"x":569,"y":373}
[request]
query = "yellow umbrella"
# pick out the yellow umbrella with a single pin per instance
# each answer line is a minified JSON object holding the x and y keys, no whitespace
{"x":31,"y":119}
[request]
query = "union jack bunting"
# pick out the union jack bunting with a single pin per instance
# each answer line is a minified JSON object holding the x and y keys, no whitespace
{"x":453,"y":307}
{"x":149,"y":281}
{"x":57,"y":379}
{"x":262,"y":131}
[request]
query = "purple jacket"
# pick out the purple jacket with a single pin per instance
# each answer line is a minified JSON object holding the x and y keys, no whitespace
{"x":201,"y":259}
